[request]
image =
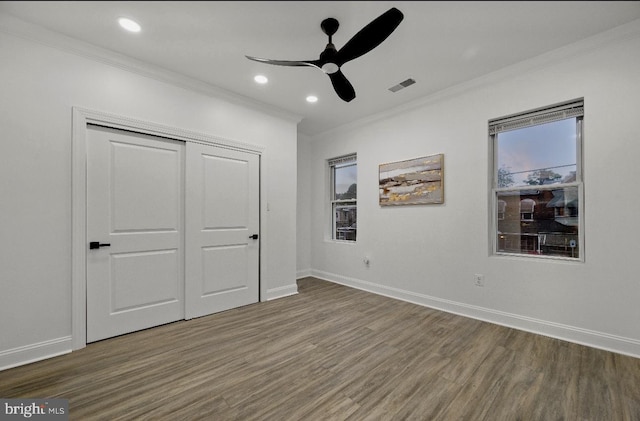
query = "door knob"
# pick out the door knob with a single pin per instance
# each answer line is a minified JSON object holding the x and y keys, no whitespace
{"x":254,"y":236}
{"x":96,"y":245}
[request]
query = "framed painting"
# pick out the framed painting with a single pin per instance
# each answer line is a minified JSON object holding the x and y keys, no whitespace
{"x":416,"y":181}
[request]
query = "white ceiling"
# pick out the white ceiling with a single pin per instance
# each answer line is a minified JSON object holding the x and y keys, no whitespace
{"x":439,"y":44}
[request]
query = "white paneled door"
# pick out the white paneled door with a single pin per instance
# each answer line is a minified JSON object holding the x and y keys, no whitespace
{"x":222,"y":228}
{"x":172,"y":230}
{"x":135,"y":230}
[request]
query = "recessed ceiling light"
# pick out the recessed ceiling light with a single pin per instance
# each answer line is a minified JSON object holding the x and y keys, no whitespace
{"x":312,"y":98}
{"x":261,"y":79}
{"x":129,"y":25}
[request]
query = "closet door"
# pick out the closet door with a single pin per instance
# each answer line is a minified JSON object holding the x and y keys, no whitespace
{"x":135,"y":214}
{"x":222,"y":228}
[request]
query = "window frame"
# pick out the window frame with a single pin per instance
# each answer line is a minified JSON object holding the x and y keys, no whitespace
{"x":572,"y":109}
{"x":334,"y":163}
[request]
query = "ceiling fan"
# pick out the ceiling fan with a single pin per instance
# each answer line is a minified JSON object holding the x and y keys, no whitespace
{"x":332,"y":59}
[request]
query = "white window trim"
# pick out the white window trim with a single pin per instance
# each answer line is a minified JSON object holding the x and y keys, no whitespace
{"x":574,"y":108}
{"x":345,"y":159}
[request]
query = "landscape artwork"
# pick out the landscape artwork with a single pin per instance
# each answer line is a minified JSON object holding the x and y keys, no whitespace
{"x":416,"y":181}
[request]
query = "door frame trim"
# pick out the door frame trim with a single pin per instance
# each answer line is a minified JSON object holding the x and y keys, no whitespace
{"x":81,"y":117}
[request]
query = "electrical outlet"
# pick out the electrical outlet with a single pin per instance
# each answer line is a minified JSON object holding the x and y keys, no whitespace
{"x":478,"y":280}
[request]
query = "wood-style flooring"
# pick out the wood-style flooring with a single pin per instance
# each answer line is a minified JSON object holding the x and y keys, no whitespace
{"x":334,"y":353}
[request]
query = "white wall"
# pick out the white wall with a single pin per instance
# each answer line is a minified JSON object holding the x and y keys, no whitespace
{"x":428,"y":254}
{"x":40,"y":85}
{"x":303,"y":221}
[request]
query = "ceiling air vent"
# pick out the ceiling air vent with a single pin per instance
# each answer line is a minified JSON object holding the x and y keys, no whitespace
{"x":402,"y":85}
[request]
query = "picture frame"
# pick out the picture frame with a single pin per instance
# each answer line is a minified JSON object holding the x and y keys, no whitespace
{"x":417,"y":181}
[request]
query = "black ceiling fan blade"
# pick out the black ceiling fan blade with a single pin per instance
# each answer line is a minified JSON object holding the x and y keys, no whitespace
{"x":310,"y":63}
{"x":370,"y":36}
{"x":342,"y":86}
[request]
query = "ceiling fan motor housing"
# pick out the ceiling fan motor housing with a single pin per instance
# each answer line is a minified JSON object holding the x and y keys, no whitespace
{"x":326,"y":58}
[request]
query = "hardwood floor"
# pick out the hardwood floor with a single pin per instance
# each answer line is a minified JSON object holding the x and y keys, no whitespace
{"x":334,"y":353}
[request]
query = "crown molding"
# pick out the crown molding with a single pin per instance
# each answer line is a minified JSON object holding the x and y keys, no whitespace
{"x":618,"y":34}
{"x":31,"y":32}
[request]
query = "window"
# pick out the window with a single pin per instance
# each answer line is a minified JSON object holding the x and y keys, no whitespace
{"x":502,"y":208}
{"x":526,"y":209}
{"x":344,"y":177}
{"x":536,"y":196}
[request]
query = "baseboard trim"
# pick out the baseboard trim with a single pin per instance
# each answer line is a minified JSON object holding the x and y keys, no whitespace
{"x":35,"y":352}
{"x":303,"y":273}
{"x":591,"y":338}
{"x":281,"y":292}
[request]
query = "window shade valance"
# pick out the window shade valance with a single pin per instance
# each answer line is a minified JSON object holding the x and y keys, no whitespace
{"x":346,"y":159}
{"x":546,"y":115}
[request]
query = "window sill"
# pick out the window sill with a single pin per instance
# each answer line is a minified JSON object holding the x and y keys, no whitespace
{"x":330,"y":240}
{"x":540,"y":257}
